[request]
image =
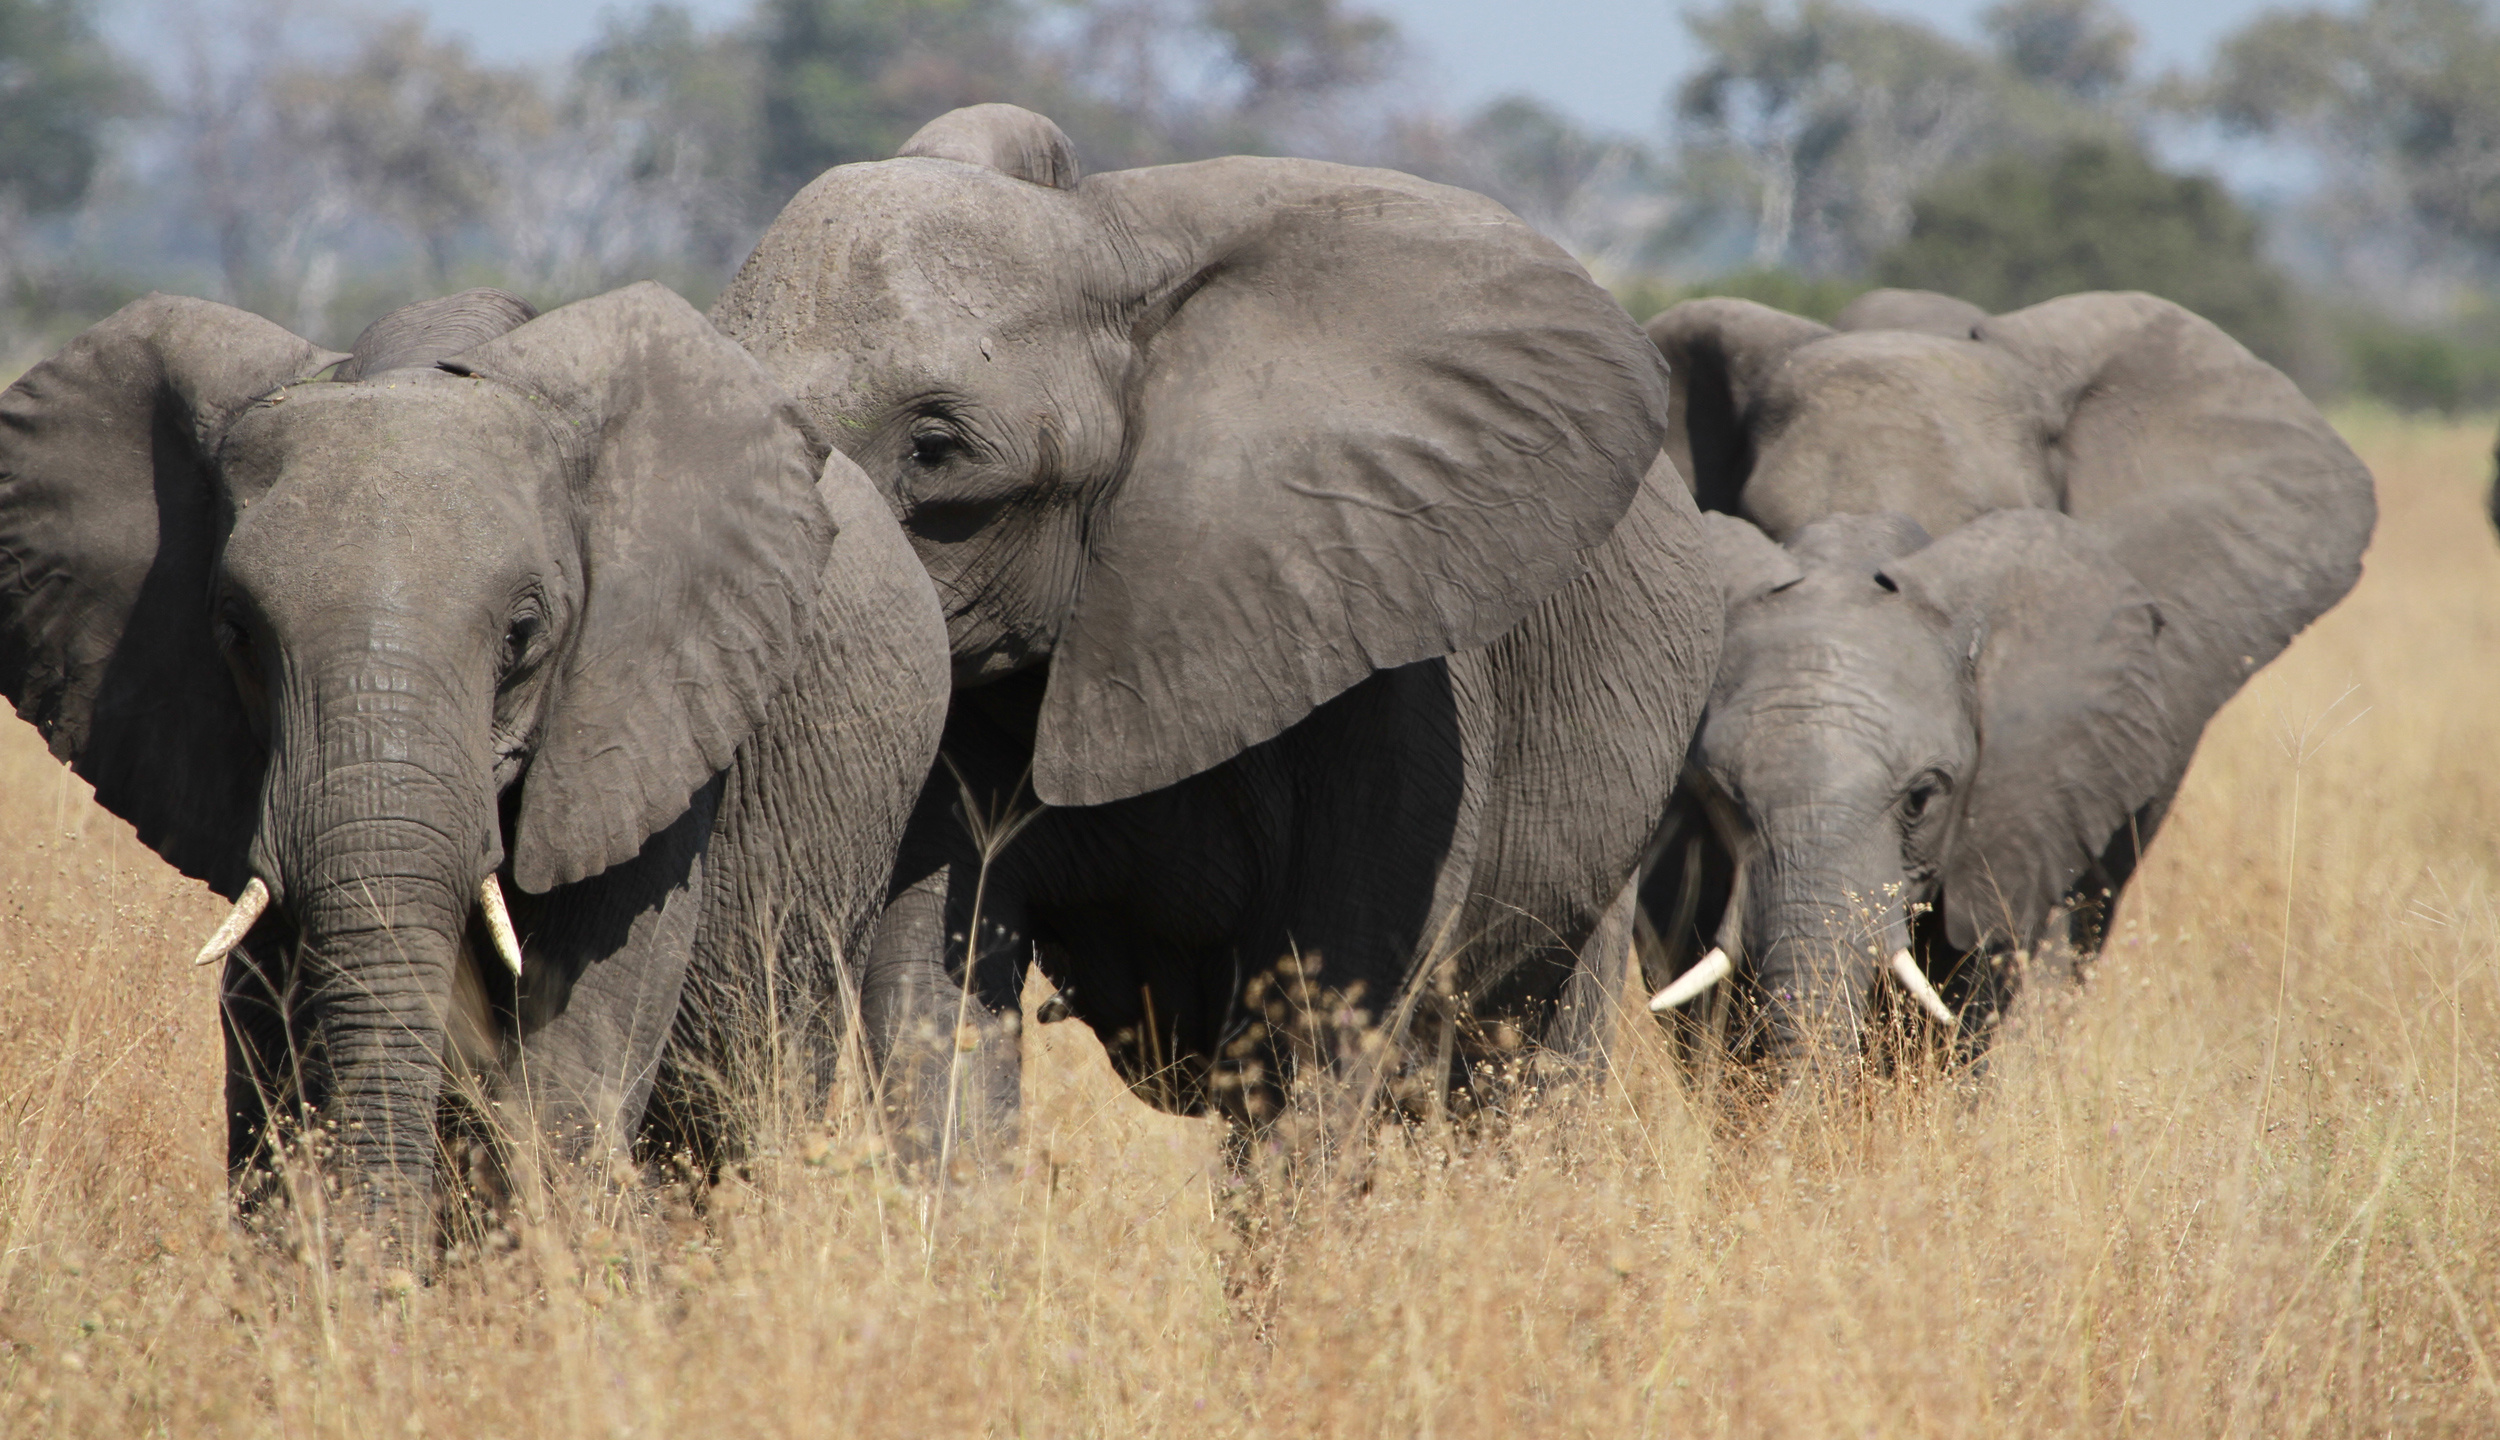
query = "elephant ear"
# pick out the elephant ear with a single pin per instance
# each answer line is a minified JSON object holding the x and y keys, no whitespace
{"x":434,"y":330}
{"x":110,"y":521}
{"x":1372,"y":421}
{"x":703,"y":544}
{"x":2222,"y":488}
{"x":1924,"y":311}
{"x":2074,"y":737}
{"x":1006,"y":138}
{"x":1750,"y":563}
{"x":1722,"y":355}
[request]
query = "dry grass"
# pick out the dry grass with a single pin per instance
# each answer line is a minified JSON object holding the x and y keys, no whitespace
{"x":2243,"y":1185}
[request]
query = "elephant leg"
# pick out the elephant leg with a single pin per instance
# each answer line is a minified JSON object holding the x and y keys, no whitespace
{"x":945,"y":1042}
{"x":599,"y":993}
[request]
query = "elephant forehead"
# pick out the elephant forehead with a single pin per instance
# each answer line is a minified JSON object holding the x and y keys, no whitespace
{"x":1814,"y":680}
{"x":1939,"y":430}
{"x":449,"y":470}
{"x":396,"y":436}
{"x":907,"y":263}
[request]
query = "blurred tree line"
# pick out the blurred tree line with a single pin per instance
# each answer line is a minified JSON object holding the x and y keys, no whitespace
{"x":322,"y":160}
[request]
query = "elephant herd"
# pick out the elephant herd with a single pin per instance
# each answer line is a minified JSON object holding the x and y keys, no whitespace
{"x":1217,"y":585}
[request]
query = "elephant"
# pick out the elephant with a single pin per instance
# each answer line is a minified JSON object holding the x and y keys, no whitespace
{"x":518,"y":676}
{"x":1327,"y":628}
{"x":1987,"y":579}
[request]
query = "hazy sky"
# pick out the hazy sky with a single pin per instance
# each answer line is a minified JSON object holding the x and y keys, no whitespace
{"x":1607,"y":62}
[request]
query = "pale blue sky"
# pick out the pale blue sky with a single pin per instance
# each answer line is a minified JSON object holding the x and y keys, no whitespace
{"x":1606,"y":62}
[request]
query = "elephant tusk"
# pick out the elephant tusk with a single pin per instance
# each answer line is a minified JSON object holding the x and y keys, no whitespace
{"x":239,"y":922}
{"x":499,"y":922}
{"x":1905,"y":969}
{"x":1693,"y":983}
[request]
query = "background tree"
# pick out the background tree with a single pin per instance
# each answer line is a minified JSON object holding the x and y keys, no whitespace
{"x":847,"y":80}
{"x":2084,"y":48}
{"x":2099,"y":216}
{"x":413,"y":123}
{"x":2401,"y":101}
{"x":59,"y":88}
{"x":1830,"y":116}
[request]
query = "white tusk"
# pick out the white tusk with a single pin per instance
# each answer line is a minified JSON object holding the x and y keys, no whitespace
{"x":1693,"y":983}
{"x":499,"y":922}
{"x":1914,"y":980}
{"x":239,"y":921}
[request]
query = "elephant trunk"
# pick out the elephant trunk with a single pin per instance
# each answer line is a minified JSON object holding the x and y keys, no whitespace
{"x":379,"y":829}
{"x":1819,"y":929}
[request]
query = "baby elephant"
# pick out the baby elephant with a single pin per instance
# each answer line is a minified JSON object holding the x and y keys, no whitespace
{"x":514,"y":676}
{"x":1987,"y":579}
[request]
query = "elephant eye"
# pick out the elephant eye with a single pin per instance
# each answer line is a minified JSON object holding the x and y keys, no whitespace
{"x":516,"y":641}
{"x":933,"y":446}
{"x":1922,"y":795}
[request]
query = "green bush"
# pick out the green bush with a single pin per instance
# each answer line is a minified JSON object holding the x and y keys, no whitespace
{"x":2429,"y":370}
{"x":2098,"y":215}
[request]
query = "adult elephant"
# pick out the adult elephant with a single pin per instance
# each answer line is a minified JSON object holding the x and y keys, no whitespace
{"x":1987,"y":579}
{"x":1307,"y":555}
{"x":554,"y":603}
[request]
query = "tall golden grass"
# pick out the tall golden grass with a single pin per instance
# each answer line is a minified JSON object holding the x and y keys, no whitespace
{"x":2242,"y":1185}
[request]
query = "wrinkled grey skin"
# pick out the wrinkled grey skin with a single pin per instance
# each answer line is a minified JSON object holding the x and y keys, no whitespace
{"x":1302,"y":541}
{"x":559,"y":599}
{"x":1987,"y":580}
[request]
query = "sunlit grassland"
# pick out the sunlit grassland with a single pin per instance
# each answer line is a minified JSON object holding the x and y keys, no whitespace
{"x":2243,"y":1184}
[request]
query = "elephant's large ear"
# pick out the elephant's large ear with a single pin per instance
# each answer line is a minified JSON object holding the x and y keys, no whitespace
{"x":1373,"y":421}
{"x":2073,"y":734}
{"x":2221,"y":487}
{"x":433,"y":330}
{"x":1722,"y":354}
{"x":703,"y":546}
{"x":110,"y":521}
{"x":1750,"y":563}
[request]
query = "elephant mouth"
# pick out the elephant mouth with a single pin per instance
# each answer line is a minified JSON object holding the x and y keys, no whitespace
{"x":469,"y":1027}
{"x":249,"y":905}
{"x":1720,"y":963}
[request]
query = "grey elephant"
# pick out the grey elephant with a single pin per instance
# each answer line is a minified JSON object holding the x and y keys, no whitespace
{"x":1316,"y":589}
{"x":515,"y":676}
{"x":1987,"y":579}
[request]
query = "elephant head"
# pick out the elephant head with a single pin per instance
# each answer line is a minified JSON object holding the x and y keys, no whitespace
{"x":347,"y":637}
{"x":1987,"y":581}
{"x":1211,"y":442}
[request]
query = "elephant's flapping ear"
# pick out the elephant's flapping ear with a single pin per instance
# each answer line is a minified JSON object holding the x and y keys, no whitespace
{"x":2222,"y":488}
{"x":1372,"y":421}
{"x":703,"y":546}
{"x":110,"y":522}
{"x":1006,"y":138}
{"x":433,"y":330}
{"x":1750,"y":563}
{"x":1721,"y":354}
{"x":2073,"y":737}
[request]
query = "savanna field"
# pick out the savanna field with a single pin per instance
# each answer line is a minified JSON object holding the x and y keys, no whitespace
{"x":2243,"y":1184}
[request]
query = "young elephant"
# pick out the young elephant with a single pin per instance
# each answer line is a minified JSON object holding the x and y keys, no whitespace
{"x":1306,"y":549}
{"x":551,"y":610}
{"x":1987,"y":580}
